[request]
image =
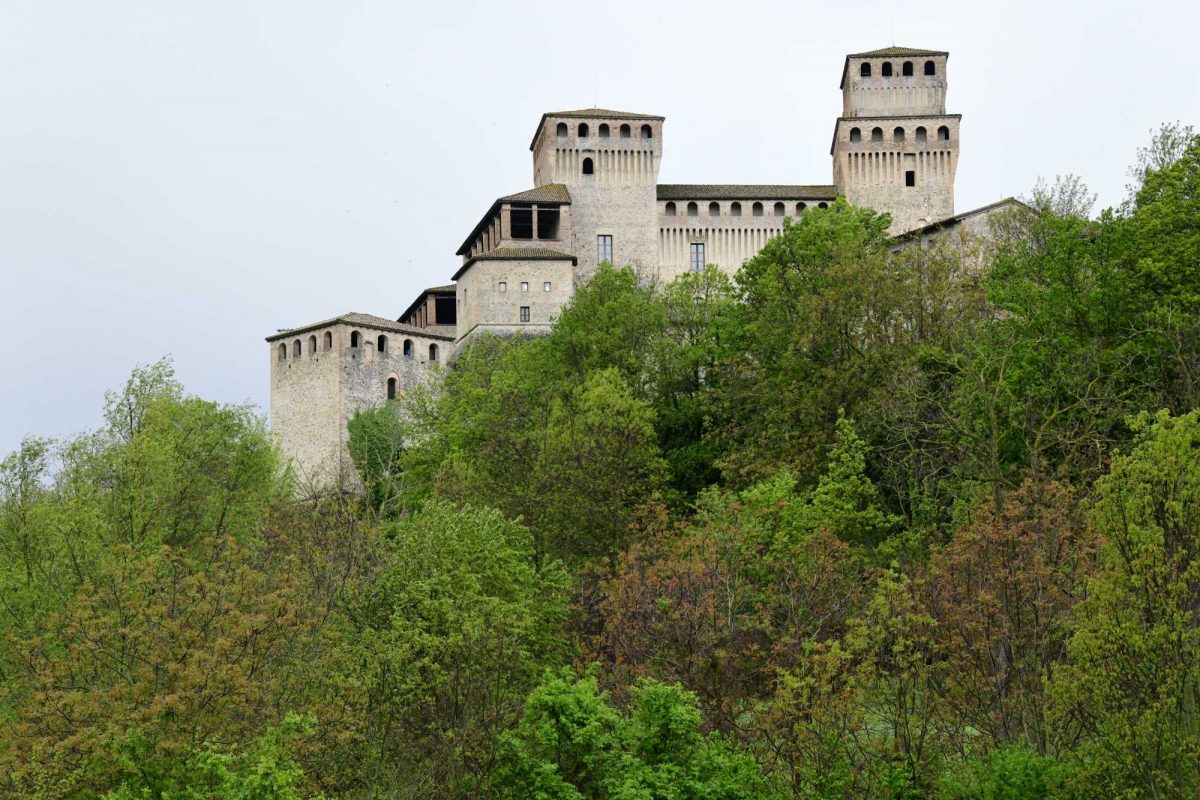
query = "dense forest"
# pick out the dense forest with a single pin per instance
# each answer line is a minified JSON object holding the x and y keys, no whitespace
{"x":863,"y":521}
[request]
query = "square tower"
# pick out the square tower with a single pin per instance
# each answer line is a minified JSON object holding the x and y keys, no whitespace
{"x":608,"y":161}
{"x":895,"y":148}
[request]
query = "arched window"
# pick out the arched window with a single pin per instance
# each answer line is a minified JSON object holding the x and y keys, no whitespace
{"x":865,"y":70}
{"x":906,"y":70}
{"x":391,"y":389}
{"x":887,"y":69}
{"x":647,"y":132}
{"x":756,"y":209}
{"x":408,"y":348}
{"x":381,"y":343}
{"x":670,"y":209}
{"x":561,"y":130}
{"x":328,"y":340}
{"x":625,"y":132}
{"x":735,"y":209}
{"x":583,"y":130}
{"x":433,"y":352}
{"x":355,"y":339}
{"x":312,"y":343}
{"x":296,"y":348}
{"x":587,"y":167}
{"x":855,"y":136}
{"x":921,"y":134}
{"x":603,"y":130}
{"x":800,"y":208}
{"x":898,"y":135}
{"x":779,"y":210}
{"x":876,"y":134}
{"x":693,"y":210}
{"x":714,"y":209}
{"x":822,"y":205}
{"x":930,"y":69}
{"x":282,"y":351}
{"x":943,"y":134}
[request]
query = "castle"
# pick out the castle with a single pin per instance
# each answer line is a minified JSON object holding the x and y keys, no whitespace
{"x":597,"y":199}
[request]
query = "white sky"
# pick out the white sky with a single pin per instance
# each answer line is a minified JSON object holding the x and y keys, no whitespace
{"x":185,"y":177}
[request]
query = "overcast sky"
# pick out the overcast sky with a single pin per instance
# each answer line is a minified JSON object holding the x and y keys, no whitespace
{"x":183,"y":178}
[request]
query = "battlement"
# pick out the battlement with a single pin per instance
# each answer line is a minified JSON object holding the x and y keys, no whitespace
{"x":597,"y":147}
{"x":894,"y":81}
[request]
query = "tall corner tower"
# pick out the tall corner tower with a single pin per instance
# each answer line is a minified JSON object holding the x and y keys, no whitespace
{"x":895,"y":148}
{"x":609,"y":162}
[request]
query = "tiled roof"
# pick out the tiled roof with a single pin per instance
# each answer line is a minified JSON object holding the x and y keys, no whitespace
{"x":517,"y":254}
{"x":898,"y":51}
{"x":725,"y":191}
{"x":587,"y":113}
{"x":450,"y":287}
{"x":365,"y":320}
{"x":1008,"y":202}
{"x":550,"y":193}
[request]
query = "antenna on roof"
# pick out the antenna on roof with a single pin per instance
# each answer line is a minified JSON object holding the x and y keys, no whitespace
{"x":596,"y":90}
{"x":893,"y":32}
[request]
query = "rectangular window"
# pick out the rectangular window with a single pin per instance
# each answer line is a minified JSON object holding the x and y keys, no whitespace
{"x":546,"y":286}
{"x":697,"y":257}
{"x":524,"y":313}
{"x":524,"y":286}
{"x":910,"y":178}
{"x":503,"y":286}
{"x":604,"y":249}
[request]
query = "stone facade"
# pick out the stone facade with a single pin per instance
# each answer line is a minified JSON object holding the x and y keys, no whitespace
{"x":596,"y":197}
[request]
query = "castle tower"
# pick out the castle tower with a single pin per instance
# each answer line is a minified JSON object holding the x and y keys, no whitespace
{"x":608,"y":161}
{"x":895,"y":148}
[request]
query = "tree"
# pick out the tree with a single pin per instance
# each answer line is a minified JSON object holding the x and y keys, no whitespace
{"x":1132,"y":683}
{"x":572,"y":744}
{"x":449,"y":636}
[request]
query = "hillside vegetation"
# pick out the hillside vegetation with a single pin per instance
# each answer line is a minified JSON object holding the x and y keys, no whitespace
{"x":854,"y":524}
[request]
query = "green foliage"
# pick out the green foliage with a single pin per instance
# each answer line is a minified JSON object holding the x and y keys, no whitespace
{"x":1132,"y":684}
{"x":450,"y":634}
{"x":572,"y":744}
{"x":1008,"y":773}
{"x":267,"y":770}
{"x":377,"y":437}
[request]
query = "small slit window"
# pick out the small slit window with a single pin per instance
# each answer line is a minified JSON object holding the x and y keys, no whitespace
{"x":756,"y":209}
{"x":779,"y":210}
{"x":714,"y":209}
{"x":587,"y":167}
{"x":328,"y":340}
{"x":381,"y":343}
{"x":907,"y":69}
{"x":312,"y":344}
{"x":865,"y":70}
{"x":391,"y":389}
{"x":930,"y":69}
{"x":647,"y":132}
{"x":296,"y":348}
{"x":546,"y":286}
{"x":910,"y":178}
{"x":283,"y":352}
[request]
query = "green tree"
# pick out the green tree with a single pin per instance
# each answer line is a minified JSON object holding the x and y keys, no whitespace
{"x":1132,"y":682}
